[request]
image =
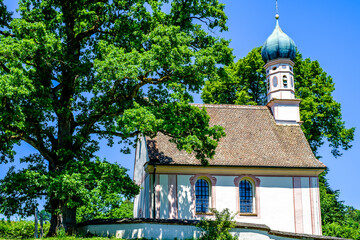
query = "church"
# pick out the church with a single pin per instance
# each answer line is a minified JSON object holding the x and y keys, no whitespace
{"x":263,"y":171}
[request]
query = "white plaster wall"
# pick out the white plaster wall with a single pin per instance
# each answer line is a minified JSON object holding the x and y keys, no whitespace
{"x":140,"y":202}
{"x":141,"y":157}
{"x":151,"y":195}
{"x":306,"y":204}
{"x":162,"y":231}
{"x":287,"y":112}
{"x":147,"y":201}
{"x":164,"y":192}
{"x":136,"y":206}
{"x":143,"y":230}
{"x":283,"y":94}
{"x":276,"y":195}
{"x":316,"y":203}
{"x":276,"y":203}
{"x":225,"y":193}
{"x":288,"y":94}
{"x":185,"y":206}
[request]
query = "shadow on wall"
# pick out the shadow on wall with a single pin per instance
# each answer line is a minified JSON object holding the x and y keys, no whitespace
{"x":185,"y":205}
{"x":157,"y":231}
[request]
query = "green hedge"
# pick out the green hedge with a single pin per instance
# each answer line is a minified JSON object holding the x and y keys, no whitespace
{"x":19,"y":229}
{"x":343,"y":231}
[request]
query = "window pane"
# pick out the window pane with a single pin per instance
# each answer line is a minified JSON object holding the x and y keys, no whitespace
{"x":202,"y":195}
{"x":285,"y":81}
{"x":246,"y":197}
{"x":275,"y":82}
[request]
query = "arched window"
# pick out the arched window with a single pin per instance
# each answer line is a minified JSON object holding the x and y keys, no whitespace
{"x":246,"y":197}
{"x":202,"y":196}
{"x":285,"y":81}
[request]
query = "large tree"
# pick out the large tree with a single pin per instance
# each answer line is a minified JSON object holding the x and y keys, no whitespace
{"x":244,"y":82}
{"x":75,"y":71}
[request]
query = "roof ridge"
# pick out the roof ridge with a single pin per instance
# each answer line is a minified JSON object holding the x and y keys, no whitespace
{"x":257,"y":107}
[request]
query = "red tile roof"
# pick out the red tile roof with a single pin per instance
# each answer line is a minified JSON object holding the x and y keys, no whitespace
{"x":252,"y":139}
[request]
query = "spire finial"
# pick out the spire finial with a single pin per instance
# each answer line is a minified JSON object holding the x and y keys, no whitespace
{"x":277,"y":11}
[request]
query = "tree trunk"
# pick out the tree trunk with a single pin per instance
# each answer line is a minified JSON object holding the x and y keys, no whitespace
{"x":55,"y":223}
{"x":69,"y":220}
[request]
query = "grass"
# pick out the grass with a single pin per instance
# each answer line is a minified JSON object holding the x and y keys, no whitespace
{"x":68,"y":238}
{"x":63,"y":238}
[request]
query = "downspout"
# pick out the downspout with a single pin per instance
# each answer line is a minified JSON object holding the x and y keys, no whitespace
{"x":154,"y":188}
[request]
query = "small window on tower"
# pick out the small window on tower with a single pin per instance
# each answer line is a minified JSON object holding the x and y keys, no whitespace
{"x":290,"y":68}
{"x":284,"y":66}
{"x":292,"y":82}
{"x":275,"y":81}
{"x":285,"y":81}
{"x":274,"y":68}
{"x":268,"y":84}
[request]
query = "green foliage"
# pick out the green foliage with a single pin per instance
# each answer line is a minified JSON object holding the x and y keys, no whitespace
{"x":338,"y":220}
{"x":244,"y":82}
{"x":19,"y":229}
{"x":73,"y":72}
{"x":332,"y":209}
{"x":218,"y":229}
{"x":77,"y":182}
{"x":320,"y":113}
{"x":44,"y":215}
{"x":240,"y":83}
{"x":343,"y":231}
{"x":111,"y":207}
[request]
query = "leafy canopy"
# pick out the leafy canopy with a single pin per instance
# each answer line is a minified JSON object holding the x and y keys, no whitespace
{"x":73,"y":72}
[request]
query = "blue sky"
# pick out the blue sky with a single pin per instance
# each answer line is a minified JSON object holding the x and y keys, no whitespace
{"x":327,"y":31}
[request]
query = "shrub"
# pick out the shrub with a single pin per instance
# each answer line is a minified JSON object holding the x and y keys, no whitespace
{"x":20,"y":229}
{"x":343,"y":231}
{"x":218,"y":229}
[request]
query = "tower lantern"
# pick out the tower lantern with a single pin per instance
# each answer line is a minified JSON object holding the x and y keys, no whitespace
{"x":278,"y":53}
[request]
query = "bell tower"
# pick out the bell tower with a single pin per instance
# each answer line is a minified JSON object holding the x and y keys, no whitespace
{"x":278,"y":53}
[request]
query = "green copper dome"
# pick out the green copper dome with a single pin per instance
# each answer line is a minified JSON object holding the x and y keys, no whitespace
{"x":278,"y":45}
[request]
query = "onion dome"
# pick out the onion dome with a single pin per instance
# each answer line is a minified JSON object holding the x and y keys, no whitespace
{"x":278,"y":45}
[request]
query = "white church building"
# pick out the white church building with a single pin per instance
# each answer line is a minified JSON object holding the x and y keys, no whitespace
{"x":263,"y":169}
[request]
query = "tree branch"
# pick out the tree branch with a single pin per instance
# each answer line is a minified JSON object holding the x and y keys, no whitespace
{"x":40,"y":148}
{"x":21,"y":135}
{"x":57,"y":88}
{"x":94,"y":29}
{"x":87,"y":33}
{"x":6,"y":69}
{"x":6,"y":34}
{"x":95,"y":117}
{"x":117,"y":134}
